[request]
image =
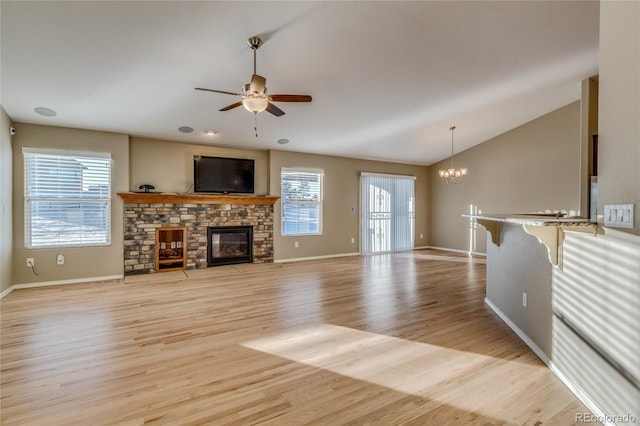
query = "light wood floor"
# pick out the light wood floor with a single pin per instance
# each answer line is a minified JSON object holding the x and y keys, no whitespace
{"x":391,"y":339}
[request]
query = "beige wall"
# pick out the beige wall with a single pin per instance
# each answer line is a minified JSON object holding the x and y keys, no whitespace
{"x":6,"y":235}
{"x":603,"y":272}
{"x":530,"y":168}
{"x":595,"y":298}
{"x":80,"y":263}
{"x":595,"y":339}
{"x":619,"y":107}
{"x":169,"y":165}
{"x":521,"y":265}
{"x":341,"y":194}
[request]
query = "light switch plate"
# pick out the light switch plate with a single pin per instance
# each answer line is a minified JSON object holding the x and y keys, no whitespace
{"x":618,"y":215}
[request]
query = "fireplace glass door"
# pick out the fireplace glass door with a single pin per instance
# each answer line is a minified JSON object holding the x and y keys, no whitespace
{"x":229,"y":244}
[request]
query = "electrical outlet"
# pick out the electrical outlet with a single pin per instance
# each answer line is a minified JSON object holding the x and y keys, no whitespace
{"x":524,"y":299}
{"x":30,"y":262}
{"x":421,"y":236}
{"x":295,"y":244}
{"x":60,"y":259}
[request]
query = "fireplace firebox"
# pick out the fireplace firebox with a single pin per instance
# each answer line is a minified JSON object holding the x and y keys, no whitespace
{"x":227,"y":245}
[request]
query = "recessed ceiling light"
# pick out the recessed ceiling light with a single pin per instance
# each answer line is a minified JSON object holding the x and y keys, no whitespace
{"x":45,"y":112}
{"x":185,"y":129}
{"x":283,"y":141}
{"x":210,"y":133}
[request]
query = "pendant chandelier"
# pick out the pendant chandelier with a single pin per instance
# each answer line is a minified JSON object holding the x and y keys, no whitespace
{"x":452,"y":175}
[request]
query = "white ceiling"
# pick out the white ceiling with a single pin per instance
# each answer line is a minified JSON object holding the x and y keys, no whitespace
{"x":388,"y":79}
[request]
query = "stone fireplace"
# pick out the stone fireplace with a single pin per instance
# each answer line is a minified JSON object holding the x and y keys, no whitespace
{"x":143,"y":213}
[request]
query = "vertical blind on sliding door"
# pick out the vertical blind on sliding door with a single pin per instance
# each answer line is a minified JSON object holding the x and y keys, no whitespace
{"x":387,"y":208}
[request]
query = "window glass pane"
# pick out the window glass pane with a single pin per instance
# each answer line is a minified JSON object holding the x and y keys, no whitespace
{"x":301,"y":219}
{"x":64,"y":223}
{"x":301,"y":195}
{"x":67,"y":199}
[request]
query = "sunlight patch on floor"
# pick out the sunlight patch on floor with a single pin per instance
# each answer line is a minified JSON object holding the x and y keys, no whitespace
{"x":447,"y":375}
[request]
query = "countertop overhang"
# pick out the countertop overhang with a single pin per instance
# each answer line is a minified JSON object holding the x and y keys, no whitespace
{"x":549,"y":229}
{"x":533,"y":219}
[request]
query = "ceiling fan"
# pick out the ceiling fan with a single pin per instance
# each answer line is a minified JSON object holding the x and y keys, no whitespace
{"x":254,"y":95}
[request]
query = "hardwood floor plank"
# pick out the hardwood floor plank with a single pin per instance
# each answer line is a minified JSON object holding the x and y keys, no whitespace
{"x":387,"y":340}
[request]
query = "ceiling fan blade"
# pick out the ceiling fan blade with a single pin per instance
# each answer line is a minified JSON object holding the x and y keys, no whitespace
{"x":218,"y":91}
{"x":258,"y":84}
{"x":290,"y":98}
{"x":232,"y":106}
{"x":274,"y":110}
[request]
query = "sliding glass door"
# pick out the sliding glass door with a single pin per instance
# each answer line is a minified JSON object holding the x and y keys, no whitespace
{"x":387,"y":213}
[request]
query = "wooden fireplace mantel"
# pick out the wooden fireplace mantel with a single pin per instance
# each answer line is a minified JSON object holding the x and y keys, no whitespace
{"x":172,"y":198}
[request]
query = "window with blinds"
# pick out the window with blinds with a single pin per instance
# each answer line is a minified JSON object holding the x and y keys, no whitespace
{"x":67,"y":199}
{"x":301,"y":197}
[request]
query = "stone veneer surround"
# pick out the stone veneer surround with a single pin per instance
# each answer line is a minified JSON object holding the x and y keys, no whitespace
{"x":142,"y":219}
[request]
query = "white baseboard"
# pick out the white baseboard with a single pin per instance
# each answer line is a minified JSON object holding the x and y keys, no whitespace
{"x":60,"y":282}
{"x":579,"y":393}
{"x":329,"y":256}
{"x":301,"y":259}
{"x":521,"y":334}
{"x":475,"y":253}
{"x":575,"y":389}
{"x":6,"y":291}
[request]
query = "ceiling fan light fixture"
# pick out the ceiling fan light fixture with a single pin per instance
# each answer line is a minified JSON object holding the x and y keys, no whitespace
{"x":255,"y":105}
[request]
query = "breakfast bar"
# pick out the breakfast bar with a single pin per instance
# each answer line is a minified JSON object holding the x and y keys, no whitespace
{"x":548,"y":228}
{"x":522,"y":252}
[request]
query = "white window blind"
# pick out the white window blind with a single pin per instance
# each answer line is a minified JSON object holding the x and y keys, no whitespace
{"x":301,"y":196}
{"x":387,"y":208}
{"x":67,"y":199}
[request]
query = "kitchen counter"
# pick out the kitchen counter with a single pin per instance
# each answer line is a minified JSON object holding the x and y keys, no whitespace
{"x":549,"y":228}
{"x":533,"y":219}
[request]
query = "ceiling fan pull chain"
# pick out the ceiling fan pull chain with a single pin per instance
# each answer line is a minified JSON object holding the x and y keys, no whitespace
{"x":255,"y":125}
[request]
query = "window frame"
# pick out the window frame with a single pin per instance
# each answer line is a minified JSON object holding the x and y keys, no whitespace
{"x":298,"y":170}
{"x":103,"y":200}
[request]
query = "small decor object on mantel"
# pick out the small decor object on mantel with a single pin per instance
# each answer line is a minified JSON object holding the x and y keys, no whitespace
{"x":145,"y":188}
{"x":452,"y":175}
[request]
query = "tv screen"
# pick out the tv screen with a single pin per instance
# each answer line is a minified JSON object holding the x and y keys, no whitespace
{"x":223,"y":175}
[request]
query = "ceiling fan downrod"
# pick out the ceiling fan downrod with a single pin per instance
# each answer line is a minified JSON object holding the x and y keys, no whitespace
{"x":254,"y":43}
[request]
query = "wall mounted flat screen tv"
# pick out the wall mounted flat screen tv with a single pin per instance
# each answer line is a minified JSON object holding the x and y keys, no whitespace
{"x":223,"y":175}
